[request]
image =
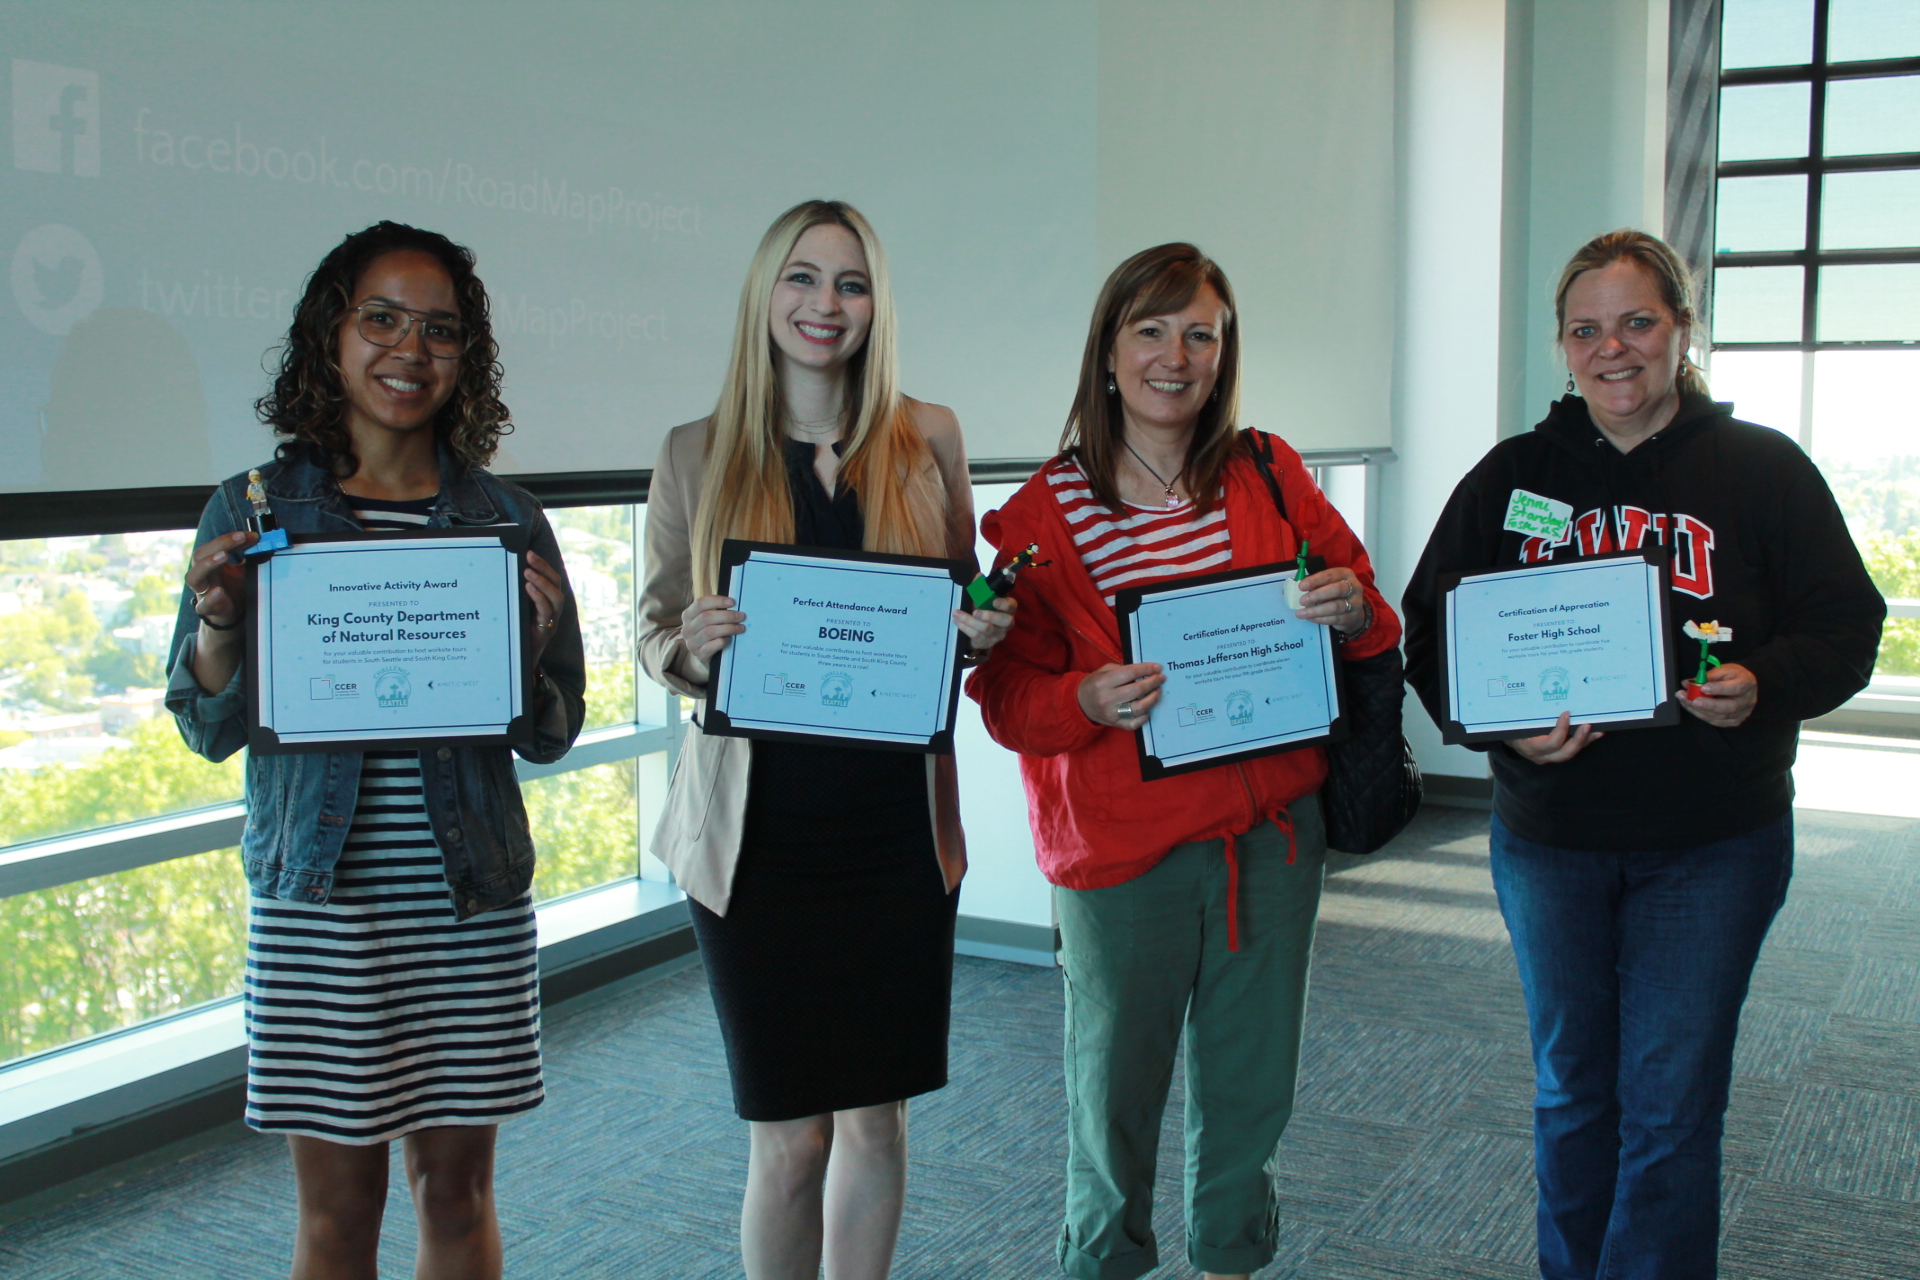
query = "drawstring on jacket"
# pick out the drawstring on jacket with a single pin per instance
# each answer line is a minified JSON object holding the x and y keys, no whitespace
{"x":1283,"y":820}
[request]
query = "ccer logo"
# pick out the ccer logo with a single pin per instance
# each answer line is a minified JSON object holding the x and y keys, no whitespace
{"x":56,"y":119}
{"x":56,"y":278}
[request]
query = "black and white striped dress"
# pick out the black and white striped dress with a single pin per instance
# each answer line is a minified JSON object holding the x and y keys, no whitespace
{"x":379,"y":1013}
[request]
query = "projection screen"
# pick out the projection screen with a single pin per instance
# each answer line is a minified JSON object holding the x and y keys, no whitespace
{"x":177,"y":170}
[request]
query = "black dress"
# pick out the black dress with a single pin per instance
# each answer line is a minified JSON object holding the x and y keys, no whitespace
{"x":832,"y":971}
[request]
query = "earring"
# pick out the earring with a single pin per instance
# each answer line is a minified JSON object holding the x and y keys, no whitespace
{"x":1216,"y":394}
{"x":1570,"y":386}
{"x":1112,"y":388}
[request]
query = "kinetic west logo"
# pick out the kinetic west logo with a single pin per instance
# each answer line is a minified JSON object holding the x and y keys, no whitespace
{"x":56,"y":278}
{"x":56,"y":119}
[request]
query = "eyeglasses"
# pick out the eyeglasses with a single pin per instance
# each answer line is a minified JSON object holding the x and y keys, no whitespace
{"x":385,"y":325}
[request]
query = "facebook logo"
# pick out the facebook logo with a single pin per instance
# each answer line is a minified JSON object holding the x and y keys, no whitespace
{"x":56,"y":119}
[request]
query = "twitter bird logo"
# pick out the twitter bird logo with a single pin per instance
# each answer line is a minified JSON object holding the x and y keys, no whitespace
{"x":57,"y":279}
{"x":57,"y":284}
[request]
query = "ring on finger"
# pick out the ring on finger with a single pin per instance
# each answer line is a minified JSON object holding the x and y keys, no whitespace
{"x":1124,"y":711}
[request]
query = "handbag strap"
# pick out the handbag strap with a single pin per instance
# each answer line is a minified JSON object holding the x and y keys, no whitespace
{"x":1262,"y":449}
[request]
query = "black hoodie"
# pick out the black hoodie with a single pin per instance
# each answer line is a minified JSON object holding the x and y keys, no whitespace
{"x":1758,"y":545}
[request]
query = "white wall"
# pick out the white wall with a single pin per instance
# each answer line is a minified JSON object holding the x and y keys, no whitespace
{"x":1446,"y":369}
{"x":1003,"y":881}
{"x":1596,"y":155}
{"x":1263,"y":131}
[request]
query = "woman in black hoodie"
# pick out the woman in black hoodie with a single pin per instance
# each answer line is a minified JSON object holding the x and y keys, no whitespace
{"x":1639,"y":871}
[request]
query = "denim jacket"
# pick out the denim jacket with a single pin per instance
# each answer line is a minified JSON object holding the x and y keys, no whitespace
{"x":300,"y":805}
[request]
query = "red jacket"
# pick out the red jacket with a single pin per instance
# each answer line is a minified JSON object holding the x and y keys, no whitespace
{"x":1095,"y":823}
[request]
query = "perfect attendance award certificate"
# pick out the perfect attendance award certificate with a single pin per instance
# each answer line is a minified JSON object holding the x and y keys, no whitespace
{"x":374,"y":638}
{"x":1587,"y":637}
{"x":1245,"y":677}
{"x":849,"y":646}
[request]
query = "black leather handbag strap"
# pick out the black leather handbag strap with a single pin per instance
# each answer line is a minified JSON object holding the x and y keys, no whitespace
{"x":1261,"y":446}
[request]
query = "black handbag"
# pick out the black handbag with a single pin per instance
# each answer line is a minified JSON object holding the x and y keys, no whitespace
{"x":1373,"y":786}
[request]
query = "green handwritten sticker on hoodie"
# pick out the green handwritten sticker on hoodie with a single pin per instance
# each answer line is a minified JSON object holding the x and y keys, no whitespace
{"x":1537,"y":517}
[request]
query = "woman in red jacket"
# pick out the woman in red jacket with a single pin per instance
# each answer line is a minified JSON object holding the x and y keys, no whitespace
{"x":1191,"y":898}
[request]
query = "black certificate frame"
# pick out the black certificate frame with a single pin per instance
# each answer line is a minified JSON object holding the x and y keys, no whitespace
{"x":513,"y":539}
{"x":735,"y":552}
{"x":1128,"y":601}
{"x":1667,"y":714}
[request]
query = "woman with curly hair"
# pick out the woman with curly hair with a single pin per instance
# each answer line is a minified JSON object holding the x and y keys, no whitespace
{"x":392,"y":985}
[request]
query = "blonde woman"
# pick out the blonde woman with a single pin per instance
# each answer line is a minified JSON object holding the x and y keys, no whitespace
{"x":824,"y":879}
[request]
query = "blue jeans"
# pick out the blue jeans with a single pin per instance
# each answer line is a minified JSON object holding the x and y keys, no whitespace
{"x":1635,"y":966}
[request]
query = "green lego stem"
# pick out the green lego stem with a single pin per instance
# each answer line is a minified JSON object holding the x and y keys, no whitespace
{"x":1706,"y":660}
{"x":1300,"y":560}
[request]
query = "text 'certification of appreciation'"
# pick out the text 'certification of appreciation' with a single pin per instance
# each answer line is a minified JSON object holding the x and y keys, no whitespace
{"x":1244,"y":676}
{"x":366,"y":639}
{"x":1587,"y":637}
{"x":843,"y":645}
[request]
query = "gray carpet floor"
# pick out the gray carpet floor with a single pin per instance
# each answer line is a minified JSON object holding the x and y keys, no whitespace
{"x":1409,"y":1157}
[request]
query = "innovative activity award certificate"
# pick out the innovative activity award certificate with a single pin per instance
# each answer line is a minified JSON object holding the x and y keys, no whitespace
{"x":1245,"y":677}
{"x":363,"y":639}
{"x":1588,"y":637}
{"x":843,"y":645}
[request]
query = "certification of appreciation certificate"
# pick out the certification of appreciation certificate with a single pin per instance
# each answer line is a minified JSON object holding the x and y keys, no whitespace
{"x":1244,"y":676}
{"x":851,"y":646}
{"x":1587,"y":637}
{"x":376,"y":638}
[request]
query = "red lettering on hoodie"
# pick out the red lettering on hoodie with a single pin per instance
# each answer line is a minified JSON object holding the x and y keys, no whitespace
{"x":1693,"y":557}
{"x":1590,"y":530}
{"x":1593,"y":534}
{"x":1634,"y":525}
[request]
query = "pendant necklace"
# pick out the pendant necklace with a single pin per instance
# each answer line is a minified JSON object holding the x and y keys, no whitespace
{"x":1172,"y":501}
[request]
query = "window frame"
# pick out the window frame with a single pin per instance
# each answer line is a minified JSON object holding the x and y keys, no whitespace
{"x":1815,"y":166}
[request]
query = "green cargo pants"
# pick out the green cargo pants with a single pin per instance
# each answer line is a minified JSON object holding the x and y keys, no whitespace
{"x":1141,"y":958}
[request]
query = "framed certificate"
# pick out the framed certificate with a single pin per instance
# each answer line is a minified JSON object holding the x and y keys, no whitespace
{"x":368,"y":639}
{"x":1245,"y":677}
{"x":851,"y":647}
{"x":1588,"y":637}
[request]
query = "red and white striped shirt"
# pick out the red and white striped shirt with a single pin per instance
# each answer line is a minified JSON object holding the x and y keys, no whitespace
{"x":1143,"y":546}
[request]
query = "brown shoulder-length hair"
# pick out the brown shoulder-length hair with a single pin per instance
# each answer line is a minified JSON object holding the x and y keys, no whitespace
{"x":1154,"y":282}
{"x":307,"y":404}
{"x":1662,"y":265}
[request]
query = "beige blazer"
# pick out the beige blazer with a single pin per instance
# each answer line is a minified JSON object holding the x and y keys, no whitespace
{"x":699,"y":834}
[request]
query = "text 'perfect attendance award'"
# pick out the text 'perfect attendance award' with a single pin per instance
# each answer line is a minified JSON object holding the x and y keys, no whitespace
{"x":1244,"y":676}
{"x":1585,"y":637}
{"x":367,"y":639}
{"x":849,"y":646}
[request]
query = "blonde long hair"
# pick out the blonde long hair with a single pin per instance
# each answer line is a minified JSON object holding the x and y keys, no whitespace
{"x":887,"y":461}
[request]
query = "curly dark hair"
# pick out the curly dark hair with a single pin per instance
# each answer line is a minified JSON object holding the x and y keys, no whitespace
{"x":307,"y":405}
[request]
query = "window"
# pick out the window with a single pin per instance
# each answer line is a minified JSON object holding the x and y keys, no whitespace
{"x":90,"y":759}
{"x":1816,"y":282}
